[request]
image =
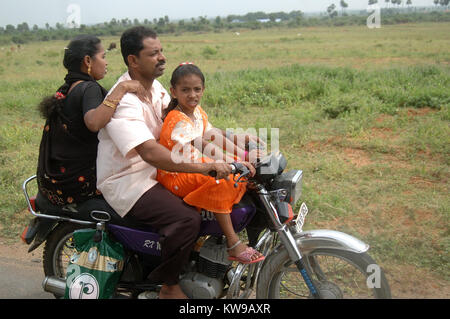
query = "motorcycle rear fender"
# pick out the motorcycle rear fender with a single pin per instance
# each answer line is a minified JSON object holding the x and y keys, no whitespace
{"x":43,"y":229}
{"x":324,"y":238}
{"x":30,"y":231}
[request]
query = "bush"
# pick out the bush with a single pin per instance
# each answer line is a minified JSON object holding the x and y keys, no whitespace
{"x":209,"y":52}
{"x":336,"y":105}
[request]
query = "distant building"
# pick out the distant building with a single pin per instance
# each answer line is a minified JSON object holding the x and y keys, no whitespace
{"x":267,"y":20}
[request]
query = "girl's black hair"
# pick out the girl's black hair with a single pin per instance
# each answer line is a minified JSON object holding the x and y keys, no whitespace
{"x":74,"y":54}
{"x":181,"y":71}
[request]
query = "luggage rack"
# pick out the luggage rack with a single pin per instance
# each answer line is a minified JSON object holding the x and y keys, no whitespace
{"x":57,"y":218}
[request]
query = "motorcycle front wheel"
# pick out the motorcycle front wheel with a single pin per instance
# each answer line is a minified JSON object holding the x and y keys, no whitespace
{"x":337,"y":274}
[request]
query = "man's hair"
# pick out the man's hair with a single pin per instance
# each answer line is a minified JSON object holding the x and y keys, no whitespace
{"x":131,"y":42}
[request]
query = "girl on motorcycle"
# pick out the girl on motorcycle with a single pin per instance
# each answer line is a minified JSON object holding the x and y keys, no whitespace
{"x":185,"y":129}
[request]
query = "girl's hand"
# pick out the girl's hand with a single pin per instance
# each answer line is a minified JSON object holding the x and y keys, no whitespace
{"x":133,"y":86}
{"x":250,"y":167}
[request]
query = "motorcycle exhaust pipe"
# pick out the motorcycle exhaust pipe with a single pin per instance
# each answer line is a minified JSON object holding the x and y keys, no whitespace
{"x":55,"y":286}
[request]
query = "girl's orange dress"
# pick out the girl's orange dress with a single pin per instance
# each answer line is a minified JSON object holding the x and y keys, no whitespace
{"x":196,"y":190}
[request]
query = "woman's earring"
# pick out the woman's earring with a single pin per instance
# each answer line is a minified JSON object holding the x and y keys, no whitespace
{"x":89,"y":69}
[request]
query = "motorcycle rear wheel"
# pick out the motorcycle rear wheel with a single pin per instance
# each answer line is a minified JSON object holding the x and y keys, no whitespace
{"x":59,"y":247}
{"x":337,"y":274}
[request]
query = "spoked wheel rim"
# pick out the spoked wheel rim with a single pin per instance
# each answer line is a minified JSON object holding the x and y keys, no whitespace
{"x":63,"y":252}
{"x":334,"y":275}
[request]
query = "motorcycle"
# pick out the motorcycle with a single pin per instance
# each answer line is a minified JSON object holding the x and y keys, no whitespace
{"x":298,"y":264}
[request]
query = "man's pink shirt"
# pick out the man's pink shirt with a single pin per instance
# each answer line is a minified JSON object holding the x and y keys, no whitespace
{"x":122,"y":175}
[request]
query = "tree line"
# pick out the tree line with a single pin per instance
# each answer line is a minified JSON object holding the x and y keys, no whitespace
{"x":389,"y":4}
{"x":23,"y":33}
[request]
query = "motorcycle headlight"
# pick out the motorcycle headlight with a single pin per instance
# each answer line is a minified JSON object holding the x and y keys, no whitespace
{"x":292,"y":182}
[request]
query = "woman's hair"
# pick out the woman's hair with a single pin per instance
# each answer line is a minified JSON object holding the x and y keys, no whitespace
{"x":77,"y":49}
{"x":180,"y":72}
{"x":131,"y":41}
{"x":74,"y":53}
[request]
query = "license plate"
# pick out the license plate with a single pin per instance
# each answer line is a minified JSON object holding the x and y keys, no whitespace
{"x":300,"y":220}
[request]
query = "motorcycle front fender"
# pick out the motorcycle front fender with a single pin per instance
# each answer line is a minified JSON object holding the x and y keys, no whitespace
{"x":324,"y":238}
{"x":311,"y":240}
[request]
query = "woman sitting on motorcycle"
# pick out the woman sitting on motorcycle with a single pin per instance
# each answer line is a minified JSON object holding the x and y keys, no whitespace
{"x":74,"y":114}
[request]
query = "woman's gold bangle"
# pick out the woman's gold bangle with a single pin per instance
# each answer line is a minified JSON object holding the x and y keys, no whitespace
{"x":110,"y":104}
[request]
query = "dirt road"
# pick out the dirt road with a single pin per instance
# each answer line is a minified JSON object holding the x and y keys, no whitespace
{"x":21,"y":274}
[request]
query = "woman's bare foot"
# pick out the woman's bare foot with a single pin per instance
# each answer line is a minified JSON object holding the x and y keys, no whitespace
{"x":171,"y":292}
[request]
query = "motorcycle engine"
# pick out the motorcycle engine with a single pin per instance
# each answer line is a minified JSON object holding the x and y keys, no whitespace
{"x":207,"y":281}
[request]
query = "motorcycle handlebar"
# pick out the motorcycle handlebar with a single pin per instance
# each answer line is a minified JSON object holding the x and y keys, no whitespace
{"x":236,"y":168}
{"x":239,"y":168}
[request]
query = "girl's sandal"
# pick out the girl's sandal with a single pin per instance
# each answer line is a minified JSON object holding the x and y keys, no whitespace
{"x":246,"y":256}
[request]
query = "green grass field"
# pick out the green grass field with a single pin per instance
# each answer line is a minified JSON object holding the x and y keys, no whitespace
{"x":364,"y":112}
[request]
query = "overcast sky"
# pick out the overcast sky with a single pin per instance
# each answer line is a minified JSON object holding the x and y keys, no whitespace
{"x":96,"y":11}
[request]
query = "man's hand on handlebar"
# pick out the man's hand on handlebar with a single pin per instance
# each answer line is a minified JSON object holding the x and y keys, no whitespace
{"x":218,"y":170}
{"x":223,"y":170}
